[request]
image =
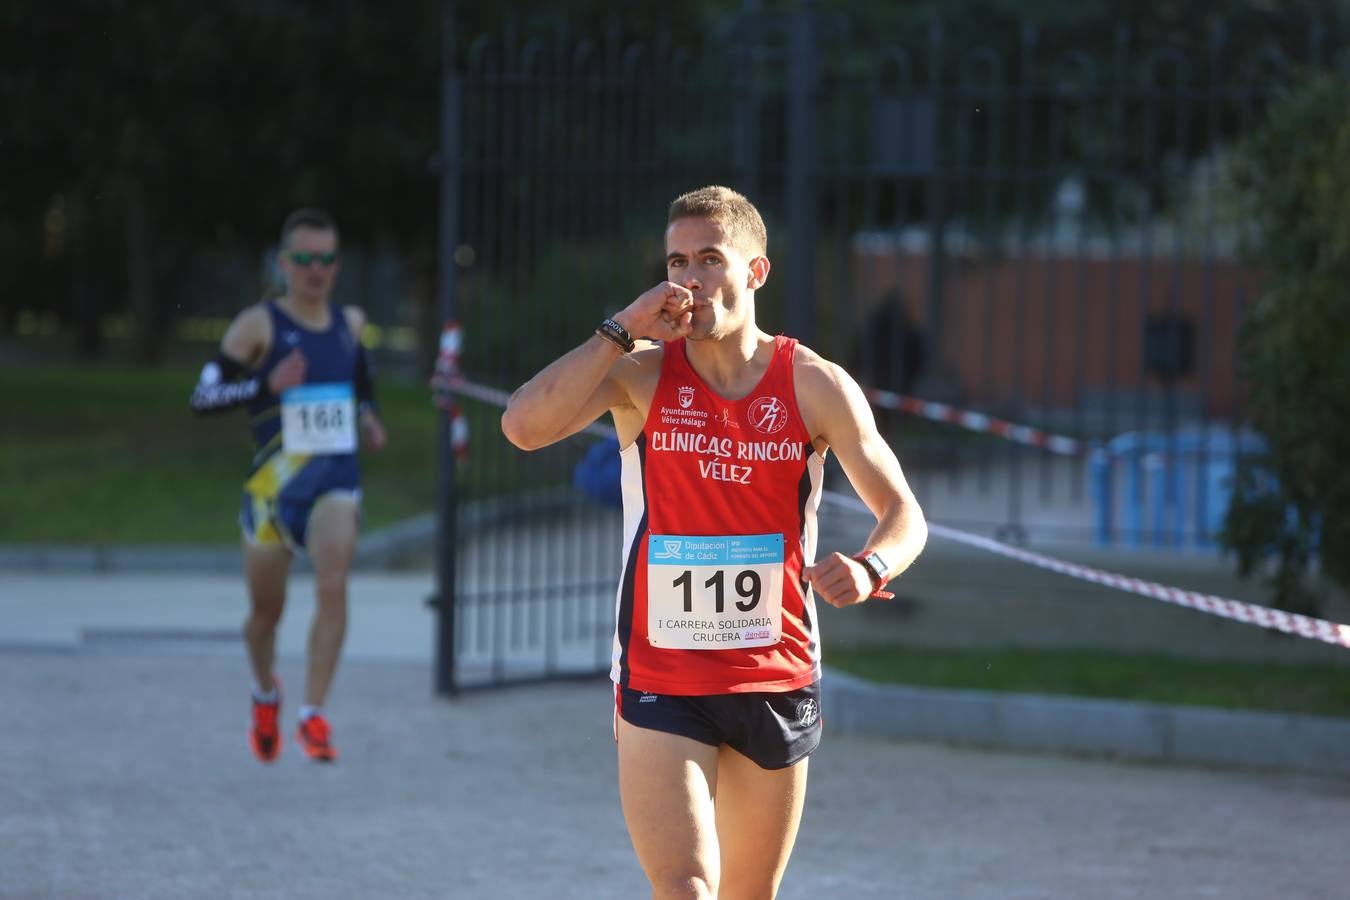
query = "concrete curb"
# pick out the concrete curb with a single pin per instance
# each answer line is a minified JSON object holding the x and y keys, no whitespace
{"x":1118,"y":728}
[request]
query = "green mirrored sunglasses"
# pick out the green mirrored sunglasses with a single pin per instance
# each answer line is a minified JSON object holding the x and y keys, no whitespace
{"x":303,"y":258}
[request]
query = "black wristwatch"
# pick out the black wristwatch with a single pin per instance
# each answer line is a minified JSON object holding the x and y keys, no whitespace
{"x":877,"y":569}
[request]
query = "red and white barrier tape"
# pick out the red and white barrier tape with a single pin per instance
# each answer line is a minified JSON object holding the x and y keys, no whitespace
{"x":447,"y":370}
{"x":1290,"y":623}
{"x":500,"y":398}
{"x":977,"y":421}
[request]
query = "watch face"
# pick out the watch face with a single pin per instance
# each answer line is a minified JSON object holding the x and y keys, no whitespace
{"x":874,"y":564}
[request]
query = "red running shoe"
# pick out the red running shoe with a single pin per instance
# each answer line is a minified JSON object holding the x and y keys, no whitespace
{"x":264,"y":737}
{"x":313,"y":736}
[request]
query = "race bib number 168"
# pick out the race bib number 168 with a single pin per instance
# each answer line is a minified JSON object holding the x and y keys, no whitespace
{"x":318,"y":419}
{"x":714,"y":592}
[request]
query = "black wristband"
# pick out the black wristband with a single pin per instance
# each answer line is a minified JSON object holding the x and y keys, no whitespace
{"x":609,"y":338}
{"x":220,"y":389}
{"x":616,"y":334}
{"x":364,"y":379}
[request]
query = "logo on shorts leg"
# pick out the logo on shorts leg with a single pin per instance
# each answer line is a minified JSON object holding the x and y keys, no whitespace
{"x":807,"y":712}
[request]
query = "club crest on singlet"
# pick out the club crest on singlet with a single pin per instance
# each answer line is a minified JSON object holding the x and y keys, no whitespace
{"x":768,"y":415}
{"x":686,"y":397}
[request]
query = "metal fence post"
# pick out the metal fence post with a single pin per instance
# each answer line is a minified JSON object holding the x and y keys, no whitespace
{"x":746,"y":133}
{"x":937,"y":207}
{"x":800,"y":179}
{"x":448,"y":505}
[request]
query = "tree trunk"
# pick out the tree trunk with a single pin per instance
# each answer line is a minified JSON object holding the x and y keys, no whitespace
{"x":86,"y":305}
{"x":148,"y":321}
{"x":21,"y":280}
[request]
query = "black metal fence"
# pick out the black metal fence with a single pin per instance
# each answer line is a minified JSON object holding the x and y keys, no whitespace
{"x":1030,"y":234}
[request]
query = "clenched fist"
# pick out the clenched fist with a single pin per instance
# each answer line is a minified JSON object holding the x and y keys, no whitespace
{"x":663,"y":313}
{"x":288,"y":373}
{"x":838,"y":580}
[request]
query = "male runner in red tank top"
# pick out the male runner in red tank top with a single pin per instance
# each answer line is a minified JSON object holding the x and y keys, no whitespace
{"x":724,"y":431}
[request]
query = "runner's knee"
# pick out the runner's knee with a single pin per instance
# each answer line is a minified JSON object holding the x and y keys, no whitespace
{"x":748,"y":889}
{"x":331,"y":583}
{"x":683,"y":886}
{"x":263,"y":620}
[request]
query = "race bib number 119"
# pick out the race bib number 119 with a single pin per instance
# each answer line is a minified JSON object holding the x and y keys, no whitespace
{"x":318,"y":419}
{"x":714,"y":592}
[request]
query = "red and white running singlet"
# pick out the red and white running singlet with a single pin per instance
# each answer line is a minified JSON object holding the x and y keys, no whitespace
{"x":720,"y":500}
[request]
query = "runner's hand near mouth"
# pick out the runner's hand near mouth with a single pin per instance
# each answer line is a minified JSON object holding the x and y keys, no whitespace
{"x":663,"y":313}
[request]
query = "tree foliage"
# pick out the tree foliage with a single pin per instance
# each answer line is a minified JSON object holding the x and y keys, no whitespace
{"x":141,"y":135}
{"x":1293,"y":187}
{"x":180,"y":127}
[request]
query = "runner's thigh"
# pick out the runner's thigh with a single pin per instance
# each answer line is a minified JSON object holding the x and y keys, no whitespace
{"x":331,"y":536}
{"x":758,"y":811}
{"x":666,"y":784}
{"x":266,"y":567}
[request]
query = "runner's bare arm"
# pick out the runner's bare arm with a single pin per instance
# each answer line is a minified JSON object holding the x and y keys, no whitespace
{"x":569,"y":394}
{"x":838,"y":413}
{"x":225,"y":382}
{"x":372,"y":427}
{"x":577,"y":388}
{"x":247,"y":339}
{"x":356,"y":321}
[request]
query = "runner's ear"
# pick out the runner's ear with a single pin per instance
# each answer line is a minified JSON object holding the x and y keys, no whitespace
{"x":759,"y":273}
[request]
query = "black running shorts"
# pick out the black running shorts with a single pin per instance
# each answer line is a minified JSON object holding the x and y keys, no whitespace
{"x":774,"y":730}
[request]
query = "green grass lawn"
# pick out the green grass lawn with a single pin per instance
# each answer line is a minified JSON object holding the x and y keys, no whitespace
{"x":1312,"y":688}
{"x":111,"y":454}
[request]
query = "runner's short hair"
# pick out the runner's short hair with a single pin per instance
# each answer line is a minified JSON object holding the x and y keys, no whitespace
{"x":737,"y":216}
{"x":307,"y":217}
